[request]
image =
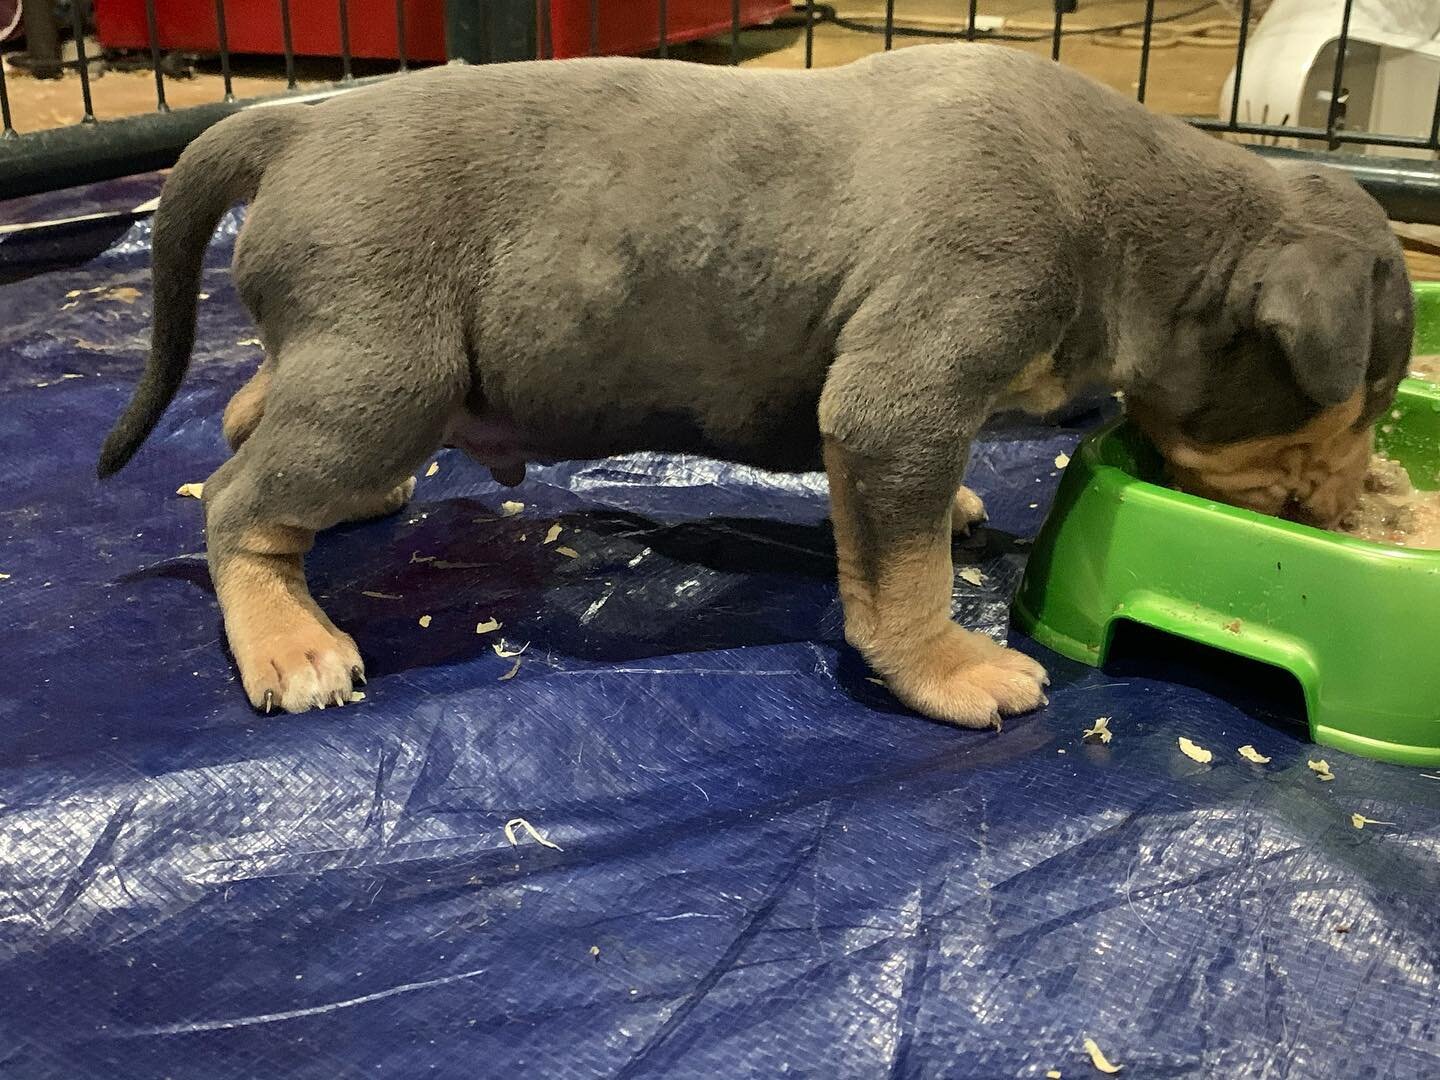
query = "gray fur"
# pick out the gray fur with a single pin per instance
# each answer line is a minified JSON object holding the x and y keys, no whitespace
{"x":628,"y":254}
{"x":611,"y":255}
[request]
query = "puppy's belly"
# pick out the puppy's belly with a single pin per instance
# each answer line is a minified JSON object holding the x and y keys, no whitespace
{"x":505,"y":447}
{"x":496,"y":442}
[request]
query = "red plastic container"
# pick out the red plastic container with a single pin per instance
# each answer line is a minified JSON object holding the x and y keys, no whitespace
{"x":253,"y":26}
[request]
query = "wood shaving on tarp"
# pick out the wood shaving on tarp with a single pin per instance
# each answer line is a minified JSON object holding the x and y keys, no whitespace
{"x":433,"y":469}
{"x":1321,"y":769}
{"x":521,"y":823}
{"x":126,"y":294}
{"x":504,"y":651}
{"x":380,"y":595}
{"x":1194,"y":751}
{"x":973,"y":576}
{"x":1098,"y":1058}
{"x":1100,"y":730}
{"x":553,"y":534}
{"x":357,"y":695}
{"x":424,"y":621}
{"x":510,"y":509}
{"x":489,"y":626}
{"x":514,"y":669}
{"x":1062,"y":460}
{"x":191,"y":491}
{"x":1360,"y":821}
{"x":568,"y":552}
{"x":1250,"y":754}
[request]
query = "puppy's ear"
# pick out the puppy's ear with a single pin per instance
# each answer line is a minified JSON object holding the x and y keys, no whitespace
{"x":1315,"y":301}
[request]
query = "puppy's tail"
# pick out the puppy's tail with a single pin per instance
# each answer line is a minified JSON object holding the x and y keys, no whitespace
{"x":222,"y":167}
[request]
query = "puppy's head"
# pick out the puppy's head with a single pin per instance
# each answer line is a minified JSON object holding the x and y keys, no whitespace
{"x":1273,"y":389}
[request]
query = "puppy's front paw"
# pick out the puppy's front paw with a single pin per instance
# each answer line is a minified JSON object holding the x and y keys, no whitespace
{"x":967,"y":679}
{"x":968,"y":512}
{"x":305,"y":666}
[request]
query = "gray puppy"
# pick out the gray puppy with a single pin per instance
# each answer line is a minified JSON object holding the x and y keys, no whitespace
{"x":853,"y":268}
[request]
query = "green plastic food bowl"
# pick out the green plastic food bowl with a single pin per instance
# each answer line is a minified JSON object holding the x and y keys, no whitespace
{"x":1356,"y":623}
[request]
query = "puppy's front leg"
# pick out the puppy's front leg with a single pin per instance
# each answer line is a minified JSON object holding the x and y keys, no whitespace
{"x":892,"y":539}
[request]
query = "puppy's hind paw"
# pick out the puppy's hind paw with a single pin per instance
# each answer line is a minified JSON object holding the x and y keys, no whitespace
{"x":305,"y":667}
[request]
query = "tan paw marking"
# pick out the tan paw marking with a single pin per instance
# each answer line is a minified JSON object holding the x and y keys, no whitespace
{"x":969,"y":680}
{"x":306,"y":666}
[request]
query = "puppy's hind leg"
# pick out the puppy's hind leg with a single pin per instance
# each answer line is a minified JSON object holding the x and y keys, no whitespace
{"x":335,"y":442}
{"x":242,"y":417}
{"x":246,"y":407}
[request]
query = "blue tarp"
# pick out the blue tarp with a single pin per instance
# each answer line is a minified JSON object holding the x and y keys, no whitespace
{"x":763,"y":865}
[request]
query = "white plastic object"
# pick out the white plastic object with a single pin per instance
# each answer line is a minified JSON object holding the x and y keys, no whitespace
{"x":1392,"y":70}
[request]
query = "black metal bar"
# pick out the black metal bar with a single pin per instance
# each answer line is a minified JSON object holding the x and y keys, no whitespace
{"x":594,"y":27}
{"x":1239,"y":62}
{"x":222,"y":36}
{"x":346,"y":74}
{"x":74,"y":155}
{"x":1337,"y":85}
{"x":970,"y":20}
{"x":7,"y":128}
{"x":77,"y":22}
{"x":1434,"y":142}
{"x":1407,"y":188}
{"x":288,"y":43}
{"x":401,"y":45}
{"x":1057,"y":33}
{"x":734,"y":33}
{"x":152,"y":32}
{"x":889,"y":25}
{"x":810,"y":37}
{"x":87,"y":153}
{"x":547,"y":35}
{"x":1280,"y":131}
{"x":1145,"y":51}
{"x":664,"y":30}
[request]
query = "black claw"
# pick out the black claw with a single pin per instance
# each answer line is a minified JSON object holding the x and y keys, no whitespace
{"x":358,"y":675}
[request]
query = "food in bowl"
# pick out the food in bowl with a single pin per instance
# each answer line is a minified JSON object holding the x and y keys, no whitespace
{"x":1392,"y":511}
